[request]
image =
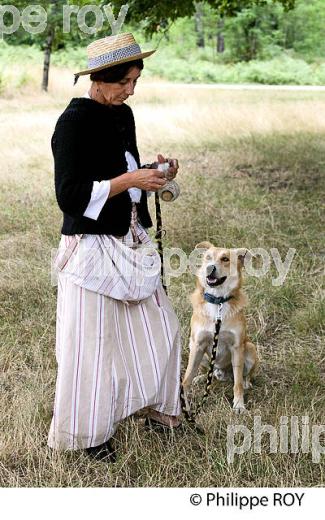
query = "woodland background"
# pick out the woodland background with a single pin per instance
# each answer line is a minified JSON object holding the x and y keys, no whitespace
{"x":246,"y":42}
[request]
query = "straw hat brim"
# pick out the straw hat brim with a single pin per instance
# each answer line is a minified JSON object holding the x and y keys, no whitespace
{"x":140,"y":56}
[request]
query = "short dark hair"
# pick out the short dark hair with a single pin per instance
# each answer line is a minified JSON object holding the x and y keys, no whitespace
{"x":115,"y":73}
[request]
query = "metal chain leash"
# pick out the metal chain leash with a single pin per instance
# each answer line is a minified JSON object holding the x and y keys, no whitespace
{"x":190,"y":416}
{"x":158,"y":238}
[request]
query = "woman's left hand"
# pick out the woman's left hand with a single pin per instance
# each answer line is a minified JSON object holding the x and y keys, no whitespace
{"x":173,"y":166}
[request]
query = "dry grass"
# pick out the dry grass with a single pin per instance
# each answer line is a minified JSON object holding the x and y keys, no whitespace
{"x":252,"y":167}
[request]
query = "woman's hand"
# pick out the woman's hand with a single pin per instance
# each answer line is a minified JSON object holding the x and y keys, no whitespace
{"x":147,"y":179}
{"x":173,"y":166}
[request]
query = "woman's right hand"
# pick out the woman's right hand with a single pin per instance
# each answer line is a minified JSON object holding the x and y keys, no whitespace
{"x":148,"y":180}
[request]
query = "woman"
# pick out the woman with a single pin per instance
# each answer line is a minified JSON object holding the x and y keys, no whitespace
{"x":118,"y":350}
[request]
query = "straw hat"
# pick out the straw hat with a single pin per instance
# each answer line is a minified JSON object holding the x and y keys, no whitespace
{"x":111,"y":51}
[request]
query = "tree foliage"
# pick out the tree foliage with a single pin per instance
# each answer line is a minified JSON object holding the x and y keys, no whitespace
{"x":265,"y":31}
{"x":156,"y":15}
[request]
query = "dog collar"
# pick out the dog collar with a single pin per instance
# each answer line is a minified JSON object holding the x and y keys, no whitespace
{"x":217,"y":300}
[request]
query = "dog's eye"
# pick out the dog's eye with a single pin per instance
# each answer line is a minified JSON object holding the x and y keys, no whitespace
{"x":208,"y":257}
{"x":225,"y":259}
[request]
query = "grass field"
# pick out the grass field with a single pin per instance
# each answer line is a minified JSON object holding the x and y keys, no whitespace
{"x":251,"y":173}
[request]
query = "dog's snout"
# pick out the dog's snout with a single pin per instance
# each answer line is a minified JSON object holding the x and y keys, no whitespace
{"x":211,"y":269}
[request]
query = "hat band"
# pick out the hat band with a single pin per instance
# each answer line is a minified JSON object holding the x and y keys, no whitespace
{"x":116,"y":55}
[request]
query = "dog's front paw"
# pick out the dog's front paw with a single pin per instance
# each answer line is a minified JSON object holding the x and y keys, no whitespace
{"x":247,"y":384}
{"x":238,"y":406}
{"x":187,"y":404}
{"x":221,"y":375}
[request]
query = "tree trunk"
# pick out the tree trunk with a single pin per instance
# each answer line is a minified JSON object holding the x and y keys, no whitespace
{"x":198,"y":17}
{"x":220,"y":36}
{"x":47,"y":58}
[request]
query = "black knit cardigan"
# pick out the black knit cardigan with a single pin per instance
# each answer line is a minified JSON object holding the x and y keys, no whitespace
{"x":89,"y":144}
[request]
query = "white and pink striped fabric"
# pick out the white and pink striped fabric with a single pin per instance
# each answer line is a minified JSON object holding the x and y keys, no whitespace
{"x":106,"y":265}
{"x":113,"y":360}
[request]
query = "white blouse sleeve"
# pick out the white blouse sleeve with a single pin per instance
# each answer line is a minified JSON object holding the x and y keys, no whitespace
{"x":100,"y":191}
{"x":99,"y":196}
{"x":135,"y":193}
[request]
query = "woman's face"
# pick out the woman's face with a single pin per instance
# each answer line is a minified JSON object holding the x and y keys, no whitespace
{"x":117,"y":93}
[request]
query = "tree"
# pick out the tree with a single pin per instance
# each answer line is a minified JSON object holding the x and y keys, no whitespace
{"x":220,"y":36}
{"x":198,"y":18}
{"x":54,"y":16}
{"x":304,"y":28}
{"x":255,"y":32}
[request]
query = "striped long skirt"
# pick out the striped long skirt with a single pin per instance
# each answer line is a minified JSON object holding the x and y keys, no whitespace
{"x":113,"y":359}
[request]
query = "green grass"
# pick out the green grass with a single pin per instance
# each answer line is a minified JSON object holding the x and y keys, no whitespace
{"x":239,"y":189}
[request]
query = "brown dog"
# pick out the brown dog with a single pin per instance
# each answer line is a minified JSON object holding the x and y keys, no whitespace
{"x":219,"y":279}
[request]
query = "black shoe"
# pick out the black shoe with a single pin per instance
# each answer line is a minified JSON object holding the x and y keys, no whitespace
{"x":104,"y":452}
{"x":183,"y":427}
{"x":157,"y":426}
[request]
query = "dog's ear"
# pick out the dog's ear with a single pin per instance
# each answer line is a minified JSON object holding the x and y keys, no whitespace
{"x":204,"y":245}
{"x":242,"y":254}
